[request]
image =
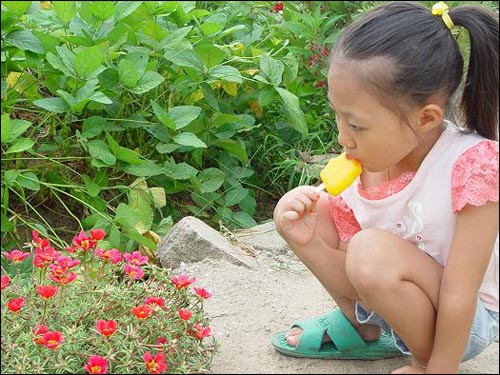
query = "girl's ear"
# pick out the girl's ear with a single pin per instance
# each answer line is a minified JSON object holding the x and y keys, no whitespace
{"x":430,"y":117}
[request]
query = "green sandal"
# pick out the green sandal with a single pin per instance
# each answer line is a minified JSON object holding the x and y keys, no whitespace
{"x":347,"y":343}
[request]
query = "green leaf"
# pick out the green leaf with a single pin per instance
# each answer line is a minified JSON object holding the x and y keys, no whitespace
{"x":226,"y":73}
{"x":25,"y":41}
{"x":145,"y":169}
{"x":133,"y":234}
{"x":184,"y":58}
{"x":29,"y":180}
{"x":209,"y":95}
{"x":244,"y":219}
{"x":180,"y":171}
{"x":162,"y":115}
{"x":147,"y":82}
{"x":5,"y":127}
{"x":99,"y":150}
{"x":102,"y":9}
{"x":56,"y":105}
{"x":18,"y":8}
{"x":294,"y":114}
{"x":235,"y":196}
{"x":93,"y":126}
{"x":92,"y":188}
{"x":7,"y":225}
{"x":128,"y":73}
{"x":88,"y":60}
{"x":237,"y":148}
{"x":125,"y":8}
{"x":65,"y":10}
{"x":273,"y":69}
{"x":209,"y":55}
{"x":211,"y":179}
{"x":189,"y":139}
{"x":214,"y":24}
{"x":183,"y":115}
{"x":20,"y":145}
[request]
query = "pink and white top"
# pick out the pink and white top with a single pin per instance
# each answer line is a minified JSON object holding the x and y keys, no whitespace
{"x":421,"y":206}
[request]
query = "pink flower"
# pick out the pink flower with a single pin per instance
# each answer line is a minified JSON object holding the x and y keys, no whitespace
{"x":15,"y":304}
{"x":98,"y":234}
{"x":52,"y":339}
{"x":182,"y":281}
{"x":106,"y":327}
{"x":136,"y":258}
{"x":81,"y":241}
{"x":135,"y":272}
{"x":39,"y":242}
{"x":16,"y":256}
{"x":65,"y":278}
{"x":96,"y":365}
{"x":200,"y":332}
{"x":185,"y":314}
{"x":202,"y":292}
{"x":5,"y":281}
{"x":156,"y":364}
{"x":44,"y":257}
{"x":46,"y":291}
{"x":113,"y":255}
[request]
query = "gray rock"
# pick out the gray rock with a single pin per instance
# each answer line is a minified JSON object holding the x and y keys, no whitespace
{"x":191,"y":240}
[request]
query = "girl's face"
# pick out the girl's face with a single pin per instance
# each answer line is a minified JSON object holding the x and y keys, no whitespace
{"x":369,"y":132}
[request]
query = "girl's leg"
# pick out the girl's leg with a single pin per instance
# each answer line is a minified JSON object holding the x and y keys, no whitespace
{"x":329,"y":269}
{"x":400,"y":283}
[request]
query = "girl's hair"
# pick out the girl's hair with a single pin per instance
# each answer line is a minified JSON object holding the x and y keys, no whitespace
{"x":422,"y":59}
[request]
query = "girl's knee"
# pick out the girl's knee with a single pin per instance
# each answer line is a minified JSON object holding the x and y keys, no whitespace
{"x":366,"y":261}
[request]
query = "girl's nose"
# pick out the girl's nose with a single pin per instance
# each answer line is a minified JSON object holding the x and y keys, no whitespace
{"x":344,"y":139}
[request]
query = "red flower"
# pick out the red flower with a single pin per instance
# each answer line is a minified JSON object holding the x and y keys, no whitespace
{"x":38,"y":332}
{"x":200,"y":331}
{"x":278,"y":7}
{"x":65,"y":278}
{"x":185,"y":314}
{"x":202,"y":292}
{"x":46,"y":291}
{"x":44,"y":257}
{"x":5,"y":281}
{"x":16,"y":256}
{"x":158,"y":301}
{"x":96,"y":365}
{"x":156,"y":364}
{"x":52,"y":339}
{"x":15,"y":304}
{"x":182,"y":281}
{"x":161,"y":340}
{"x":106,"y":327}
{"x":98,"y":234}
{"x":142,"y":311}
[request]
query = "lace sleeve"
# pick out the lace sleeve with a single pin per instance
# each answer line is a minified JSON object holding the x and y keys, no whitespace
{"x":475,"y":176}
{"x":343,"y":217}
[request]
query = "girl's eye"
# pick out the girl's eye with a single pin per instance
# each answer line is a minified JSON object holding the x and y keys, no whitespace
{"x":354,"y":127}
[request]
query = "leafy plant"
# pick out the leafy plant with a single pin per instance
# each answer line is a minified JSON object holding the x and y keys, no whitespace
{"x":95,"y":310}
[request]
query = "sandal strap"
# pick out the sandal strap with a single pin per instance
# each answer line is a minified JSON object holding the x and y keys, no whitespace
{"x":342,"y":332}
{"x":336,"y":325}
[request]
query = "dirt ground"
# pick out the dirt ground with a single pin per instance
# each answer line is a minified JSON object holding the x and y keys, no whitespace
{"x":249,"y":306}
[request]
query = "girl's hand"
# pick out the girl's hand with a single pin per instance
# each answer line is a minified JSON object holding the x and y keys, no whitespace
{"x":295,"y":215}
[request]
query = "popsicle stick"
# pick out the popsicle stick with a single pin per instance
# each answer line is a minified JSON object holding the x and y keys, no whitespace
{"x":320,"y":188}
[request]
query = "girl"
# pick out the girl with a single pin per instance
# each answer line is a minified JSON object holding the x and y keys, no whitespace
{"x":409,"y":252}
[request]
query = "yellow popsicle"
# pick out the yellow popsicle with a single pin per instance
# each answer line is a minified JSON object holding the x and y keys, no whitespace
{"x":338,"y":174}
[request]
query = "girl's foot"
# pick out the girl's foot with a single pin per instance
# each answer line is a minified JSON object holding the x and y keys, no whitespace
{"x":368,"y":332}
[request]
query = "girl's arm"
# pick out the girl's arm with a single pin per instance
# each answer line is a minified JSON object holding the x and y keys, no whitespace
{"x":470,"y":252}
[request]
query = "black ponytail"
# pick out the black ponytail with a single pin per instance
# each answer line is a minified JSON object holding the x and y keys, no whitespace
{"x":479,"y":103}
